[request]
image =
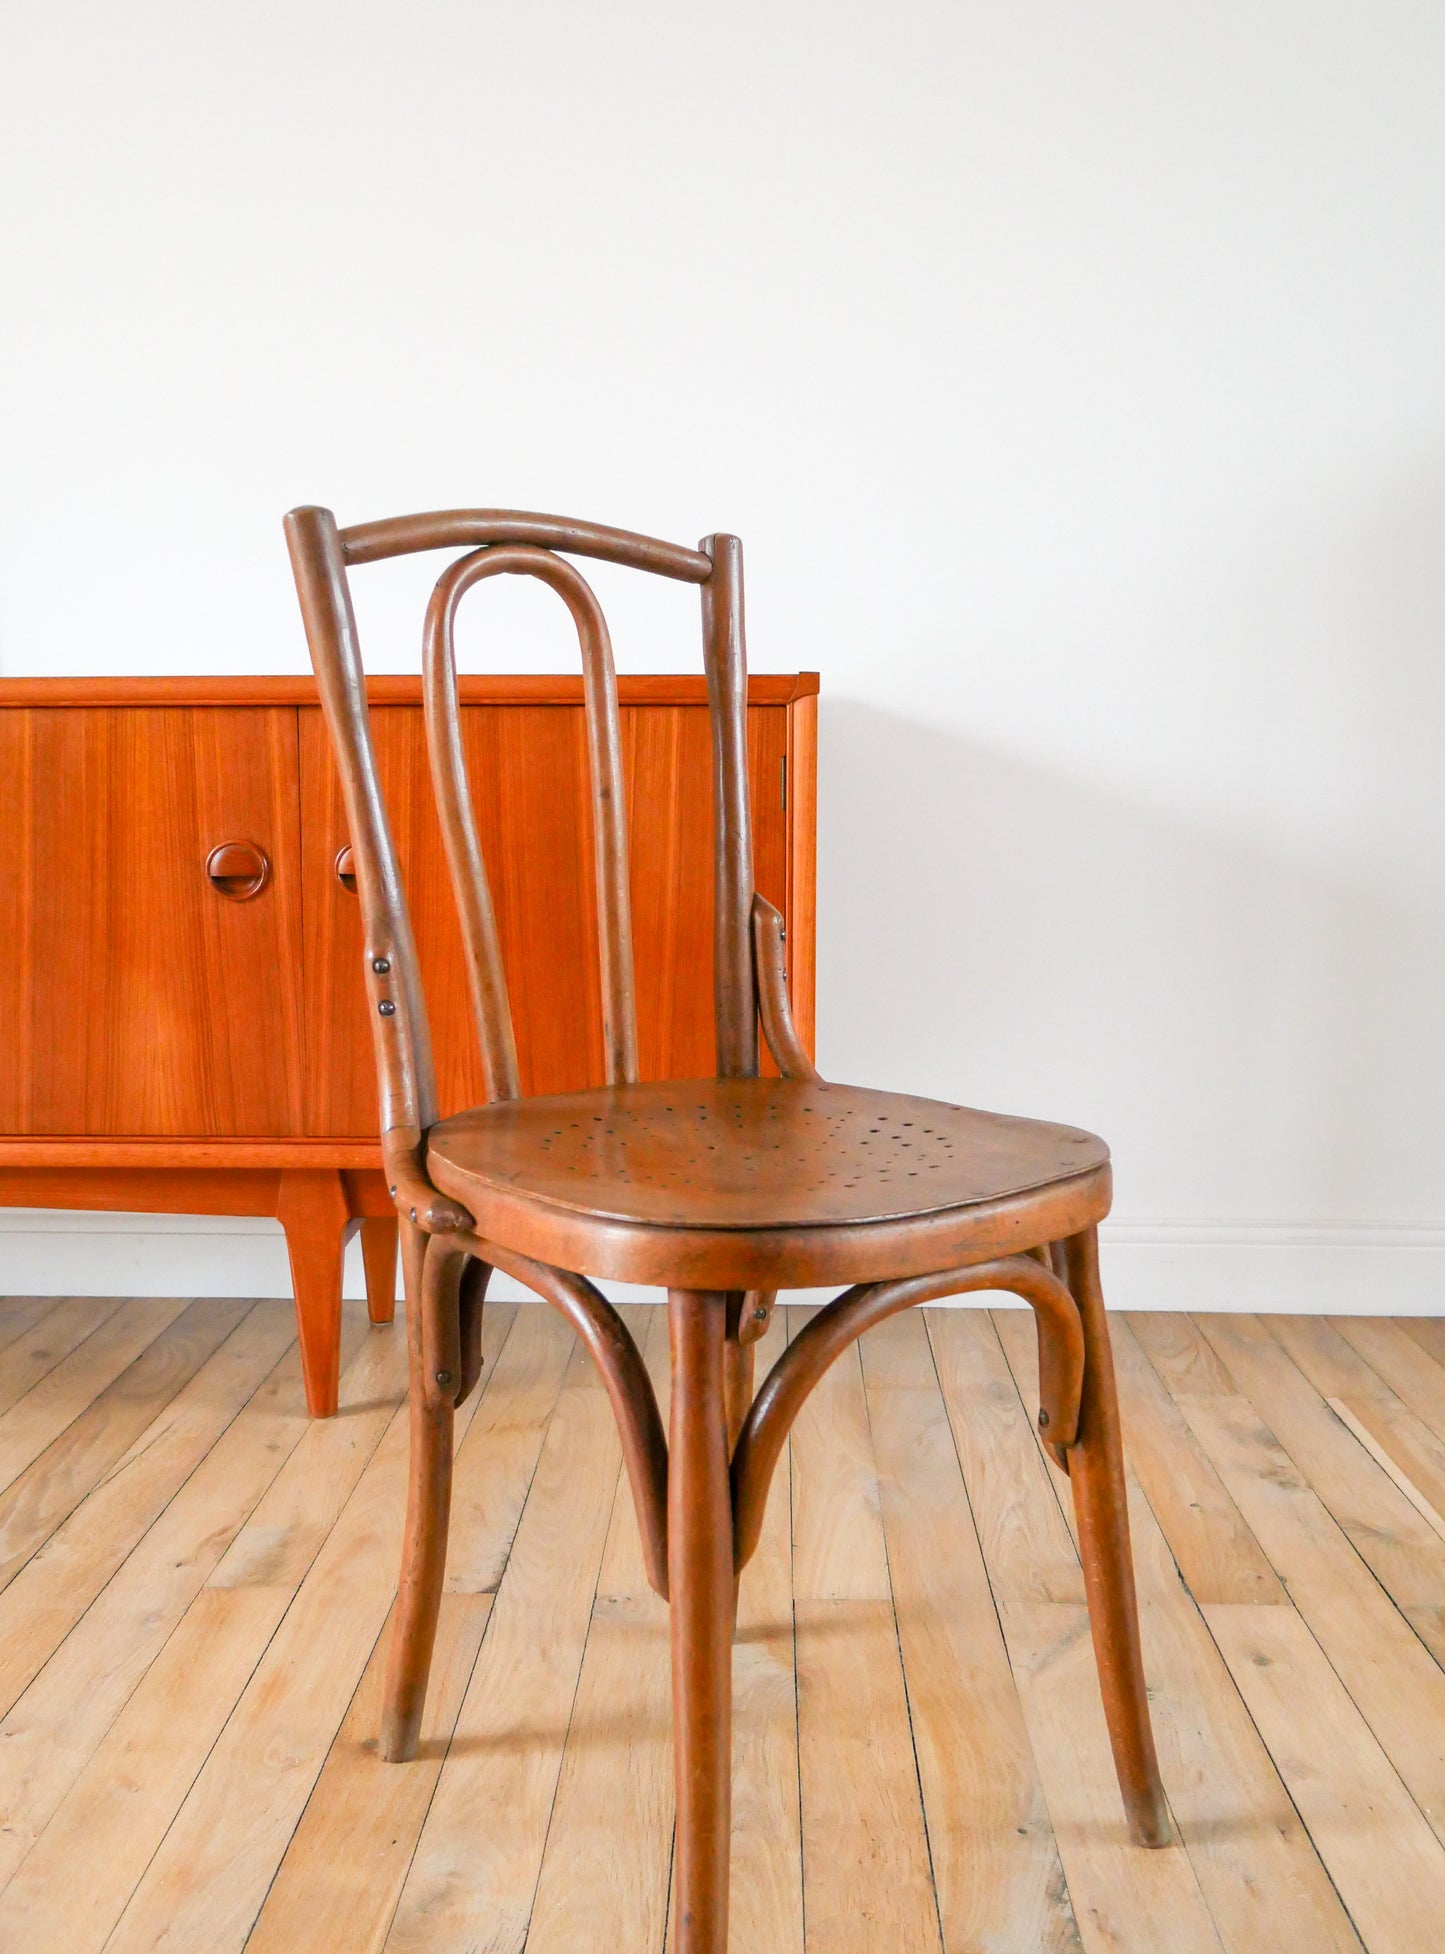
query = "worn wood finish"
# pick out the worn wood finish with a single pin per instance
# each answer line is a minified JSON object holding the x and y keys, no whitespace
{"x":721,"y":1190}
{"x":771,"y":1183}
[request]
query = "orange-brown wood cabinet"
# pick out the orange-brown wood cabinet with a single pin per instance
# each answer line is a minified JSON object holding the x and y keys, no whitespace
{"x":184,"y":1029}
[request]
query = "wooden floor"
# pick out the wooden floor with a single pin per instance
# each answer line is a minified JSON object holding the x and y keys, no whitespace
{"x":195,"y":1584}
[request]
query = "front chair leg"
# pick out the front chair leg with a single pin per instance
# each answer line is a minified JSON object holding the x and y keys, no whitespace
{"x":1096,"y":1473}
{"x":431,"y":1277}
{"x":700,"y":1582}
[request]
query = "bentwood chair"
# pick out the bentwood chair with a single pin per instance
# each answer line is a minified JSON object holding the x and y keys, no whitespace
{"x":721,"y":1190}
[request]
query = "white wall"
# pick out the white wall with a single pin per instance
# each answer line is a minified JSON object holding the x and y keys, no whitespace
{"x":1074,"y":376}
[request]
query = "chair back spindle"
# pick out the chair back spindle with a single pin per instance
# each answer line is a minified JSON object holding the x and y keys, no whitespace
{"x":725,"y":657}
{"x":400,"y":1029}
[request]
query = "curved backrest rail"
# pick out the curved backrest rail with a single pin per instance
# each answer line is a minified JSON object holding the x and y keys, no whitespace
{"x":609,"y":815}
{"x":370,"y":542}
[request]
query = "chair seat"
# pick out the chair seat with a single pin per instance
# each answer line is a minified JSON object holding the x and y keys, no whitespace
{"x":763,"y":1183}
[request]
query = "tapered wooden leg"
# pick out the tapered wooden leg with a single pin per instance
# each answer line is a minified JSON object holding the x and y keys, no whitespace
{"x":700,"y":1582}
{"x":378,"y":1254}
{"x":1096,"y":1473}
{"x":311,"y":1206}
{"x":428,"y":1508}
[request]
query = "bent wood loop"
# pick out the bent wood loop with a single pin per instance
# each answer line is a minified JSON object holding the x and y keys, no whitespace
{"x":459,"y":830}
{"x":619,"y":1362}
{"x":453,"y":1294}
{"x":833,"y":1329}
{"x":772,"y":983}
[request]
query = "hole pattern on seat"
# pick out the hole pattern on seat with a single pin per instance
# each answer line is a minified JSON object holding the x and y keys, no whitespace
{"x":847,"y":1146}
{"x":755,"y":1152}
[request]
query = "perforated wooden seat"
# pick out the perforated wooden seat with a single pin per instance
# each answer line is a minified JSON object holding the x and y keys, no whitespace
{"x":763,"y":1181}
{"x":722,"y":1190}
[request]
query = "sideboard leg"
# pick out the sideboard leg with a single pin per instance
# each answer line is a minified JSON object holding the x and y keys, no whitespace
{"x":378,"y":1252}
{"x":312,"y":1207}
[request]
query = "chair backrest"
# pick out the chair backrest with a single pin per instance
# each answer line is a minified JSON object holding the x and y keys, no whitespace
{"x":505,"y":542}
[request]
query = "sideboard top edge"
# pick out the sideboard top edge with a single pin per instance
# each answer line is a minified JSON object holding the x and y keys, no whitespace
{"x":390,"y":688}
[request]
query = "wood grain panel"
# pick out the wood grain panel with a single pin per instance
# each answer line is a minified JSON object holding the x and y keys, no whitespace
{"x":528,"y":767}
{"x":140,"y":1000}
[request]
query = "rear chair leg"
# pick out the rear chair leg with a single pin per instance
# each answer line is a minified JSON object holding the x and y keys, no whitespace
{"x":700,"y":1582}
{"x":737,"y":1385}
{"x":1096,"y":1473}
{"x":428,"y":1508}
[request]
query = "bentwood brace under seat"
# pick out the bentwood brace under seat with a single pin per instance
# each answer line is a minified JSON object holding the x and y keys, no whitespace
{"x":720,"y":1190}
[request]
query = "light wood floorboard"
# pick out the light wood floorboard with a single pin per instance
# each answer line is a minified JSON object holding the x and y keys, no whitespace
{"x":195,"y":1594}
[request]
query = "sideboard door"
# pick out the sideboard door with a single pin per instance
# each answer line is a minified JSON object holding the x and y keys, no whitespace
{"x":528,"y":767}
{"x":147,"y":994}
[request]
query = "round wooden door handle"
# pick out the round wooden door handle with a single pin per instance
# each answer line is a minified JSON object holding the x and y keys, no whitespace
{"x":346,"y":870}
{"x":238,"y":869}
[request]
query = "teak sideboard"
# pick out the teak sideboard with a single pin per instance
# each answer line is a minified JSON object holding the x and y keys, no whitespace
{"x":185,"y":1029}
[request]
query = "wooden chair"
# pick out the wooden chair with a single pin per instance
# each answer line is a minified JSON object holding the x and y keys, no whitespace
{"x":721,"y":1190}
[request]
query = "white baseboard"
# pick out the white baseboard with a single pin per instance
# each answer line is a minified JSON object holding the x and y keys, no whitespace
{"x":1337,"y":1268}
{"x":1325,"y":1268}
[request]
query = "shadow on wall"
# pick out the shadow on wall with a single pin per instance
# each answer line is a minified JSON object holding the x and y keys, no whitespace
{"x":1257,"y":1041}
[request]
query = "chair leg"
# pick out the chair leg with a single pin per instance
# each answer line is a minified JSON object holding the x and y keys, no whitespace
{"x":700,"y":1581}
{"x":428,"y":1510}
{"x":1096,"y":1473}
{"x":738,"y":1361}
{"x":378,"y":1255}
